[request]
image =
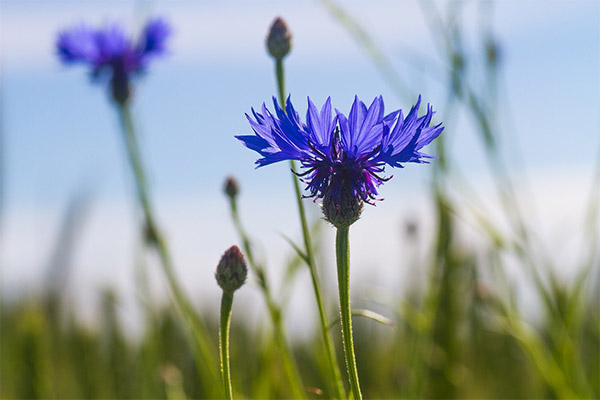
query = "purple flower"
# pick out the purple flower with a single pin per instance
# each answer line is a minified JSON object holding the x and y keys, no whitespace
{"x":343,"y":157}
{"x":111,"y":54}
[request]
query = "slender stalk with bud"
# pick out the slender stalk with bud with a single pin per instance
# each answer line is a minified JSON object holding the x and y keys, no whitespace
{"x":279,"y":44}
{"x":290,"y":368}
{"x":117,"y":61}
{"x":231,"y":275}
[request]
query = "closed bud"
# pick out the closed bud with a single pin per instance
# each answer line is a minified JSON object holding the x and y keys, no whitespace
{"x":231,"y":187}
{"x":279,"y":39}
{"x":232,"y":270}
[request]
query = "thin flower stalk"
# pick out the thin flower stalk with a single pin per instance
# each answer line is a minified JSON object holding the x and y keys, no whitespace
{"x":117,"y":60}
{"x":287,"y":357}
{"x":156,"y":240}
{"x":226,"y":303}
{"x":334,"y":368}
{"x":231,"y":275}
{"x":342,"y":250}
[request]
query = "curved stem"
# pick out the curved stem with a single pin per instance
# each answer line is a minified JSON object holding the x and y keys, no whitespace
{"x":155,"y":239}
{"x":343,"y":268}
{"x":226,"y":302}
{"x":334,"y":368}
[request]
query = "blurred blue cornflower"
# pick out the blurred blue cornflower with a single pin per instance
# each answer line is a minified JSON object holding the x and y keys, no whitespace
{"x":111,"y":54}
{"x":343,"y":157}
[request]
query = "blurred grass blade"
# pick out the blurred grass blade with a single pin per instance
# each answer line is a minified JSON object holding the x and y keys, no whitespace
{"x":299,"y":252}
{"x":372,"y":315}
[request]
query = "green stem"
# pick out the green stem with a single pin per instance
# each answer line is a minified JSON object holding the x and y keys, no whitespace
{"x":155,"y":239}
{"x":334,"y":368}
{"x":280,"y":76}
{"x":343,"y":267}
{"x":287,"y":358}
{"x":226,"y":302}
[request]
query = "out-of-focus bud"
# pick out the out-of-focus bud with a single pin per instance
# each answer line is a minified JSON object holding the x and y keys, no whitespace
{"x":232,"y":270}
{"x":279,"y":39}
{"x":411,"y":228}
{"x":231,"y":187}
{"x":492,"y":50}
{"x":170,"y":374}
{"x":481,"y":291}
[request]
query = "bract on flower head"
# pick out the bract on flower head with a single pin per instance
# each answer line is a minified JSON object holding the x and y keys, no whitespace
{"x":343,"y":157}
{"x":111,"y":54}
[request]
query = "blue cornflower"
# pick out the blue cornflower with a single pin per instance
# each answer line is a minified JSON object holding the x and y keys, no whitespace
{"x":111,"y":54}
{"x":343,"y":158}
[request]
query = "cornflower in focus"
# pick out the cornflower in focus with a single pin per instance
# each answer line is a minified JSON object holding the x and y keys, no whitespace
{"x":112,"y":55}
{"x":343,"y":157}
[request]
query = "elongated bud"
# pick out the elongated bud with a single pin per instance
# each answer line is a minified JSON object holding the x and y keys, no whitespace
{"x":231,"y":187}
{"x":279,"y":39}
{"x":232,"y":270}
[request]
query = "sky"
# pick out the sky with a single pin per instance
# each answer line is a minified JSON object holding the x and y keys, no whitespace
{"x":60,"y":135}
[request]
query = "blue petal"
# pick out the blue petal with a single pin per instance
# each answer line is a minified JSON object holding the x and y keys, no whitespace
{"x":355,"y":121}
{"x":290,"y":126}
{"x":321,"y":125}
{"x":369,"y":134}
{"x":253,"y":142}
{"x":154,"y":37}
{"x":77,"y":45}
{"x":408,"y":136}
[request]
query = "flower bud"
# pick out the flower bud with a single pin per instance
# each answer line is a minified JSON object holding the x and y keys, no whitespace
{"x":279,"y":39}
{"x":232,"y":270}
{"x":412,"y":228}
{"x":231,"y":187}
{"x":492,"y":50}
{"x":342,"y":209}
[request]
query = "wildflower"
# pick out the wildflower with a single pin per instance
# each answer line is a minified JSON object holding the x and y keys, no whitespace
{"x":343,"y":157}
{"x":111,"y":54}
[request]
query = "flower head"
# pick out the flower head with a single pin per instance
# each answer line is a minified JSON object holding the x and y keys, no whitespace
{"x":343,"y":157}
{"x":111,"y":54}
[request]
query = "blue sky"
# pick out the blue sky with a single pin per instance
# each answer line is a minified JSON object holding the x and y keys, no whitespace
{"x":191,"y":103}
{"x":61,"y":134}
